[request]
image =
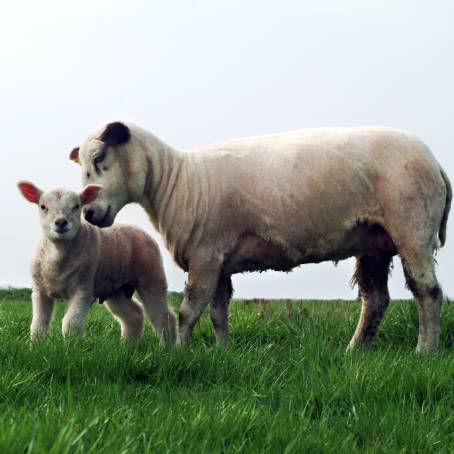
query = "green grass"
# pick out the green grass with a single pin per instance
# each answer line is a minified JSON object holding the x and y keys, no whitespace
{"x":283,"y":385}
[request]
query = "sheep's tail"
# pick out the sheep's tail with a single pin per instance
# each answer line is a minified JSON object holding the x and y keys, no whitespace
{"x":444,"y":219}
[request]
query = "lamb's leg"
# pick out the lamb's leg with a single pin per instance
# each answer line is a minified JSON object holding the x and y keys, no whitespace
{"x":158,"y":312}
{"x":200,"y":290}
{"x":128,"y":313}
{"x":220,"y":310}
{"x":419,"y":271}
{"x":372,"y":277}
{"x":79,"y":305}
{"x":42,"y":307}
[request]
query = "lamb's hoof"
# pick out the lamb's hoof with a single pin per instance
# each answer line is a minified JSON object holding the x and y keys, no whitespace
{"x":355,"y":345}
{"x":352,"y":348}
{"x":222,"y":343}
{"x":36,"y":337}
{"x":130,"y":338}
{"x":182,"y":341}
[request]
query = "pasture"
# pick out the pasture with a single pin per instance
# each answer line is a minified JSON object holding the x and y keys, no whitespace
{"x":284,"y":384}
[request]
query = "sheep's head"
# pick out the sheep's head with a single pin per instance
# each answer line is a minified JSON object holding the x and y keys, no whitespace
{"x":59,"y":209}
{"x":103,"y":158}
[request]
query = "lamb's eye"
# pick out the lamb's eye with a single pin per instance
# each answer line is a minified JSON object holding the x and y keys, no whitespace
{"x":76,"y":207}
{"x":43,"y":207}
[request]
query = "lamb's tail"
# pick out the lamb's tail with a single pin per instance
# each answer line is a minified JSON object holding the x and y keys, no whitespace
{"x":444,"y":219}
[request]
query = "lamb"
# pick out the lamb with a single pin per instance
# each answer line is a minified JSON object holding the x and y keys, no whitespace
{"x":80,"y":262}
{"x":279,"y":201}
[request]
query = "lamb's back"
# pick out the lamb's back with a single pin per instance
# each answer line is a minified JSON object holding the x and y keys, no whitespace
{"x":126,"y":254}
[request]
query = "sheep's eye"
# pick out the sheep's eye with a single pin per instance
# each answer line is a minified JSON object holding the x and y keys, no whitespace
{"x":88,"y":175}
{"x":98,"y":159}
{"x":43,"y":207}
{"x":76,"y":208}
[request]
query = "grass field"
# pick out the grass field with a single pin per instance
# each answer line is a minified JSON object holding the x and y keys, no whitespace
{"x":284,"y":385}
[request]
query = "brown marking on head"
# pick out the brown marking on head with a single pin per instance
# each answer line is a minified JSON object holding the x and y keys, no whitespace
{"x":115,"y":133}
{"x":59,"y":193}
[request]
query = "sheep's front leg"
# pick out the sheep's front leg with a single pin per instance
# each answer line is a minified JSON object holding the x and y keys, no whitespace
{"x":42,"y":307}
{"x":79,"y":305}
{"x":200,"y":290}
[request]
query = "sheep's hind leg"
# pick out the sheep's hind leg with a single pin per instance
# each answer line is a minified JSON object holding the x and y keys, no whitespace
{"x":158,"y":312}
{"x":372,"y":277}
{"x":128,"y":313}
{"x":419,"y":269}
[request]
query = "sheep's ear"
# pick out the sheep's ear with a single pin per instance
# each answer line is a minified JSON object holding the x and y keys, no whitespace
{"x":89,"y":193}
{"x":29,"y":191}
{"x":74,"y":155}
{"x":115,"y":133}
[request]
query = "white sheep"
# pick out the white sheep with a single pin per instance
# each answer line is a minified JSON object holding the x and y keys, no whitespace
{"x":279,"y":201}
{"x":80,"y":262}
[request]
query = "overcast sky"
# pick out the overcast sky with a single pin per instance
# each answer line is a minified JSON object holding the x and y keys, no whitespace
{"x":194,"y":72}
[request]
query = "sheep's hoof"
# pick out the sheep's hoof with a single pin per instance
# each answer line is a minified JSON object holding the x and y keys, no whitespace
{"x":426,"y":349}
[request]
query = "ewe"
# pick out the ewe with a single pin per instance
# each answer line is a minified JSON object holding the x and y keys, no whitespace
{"x":279,"y":201}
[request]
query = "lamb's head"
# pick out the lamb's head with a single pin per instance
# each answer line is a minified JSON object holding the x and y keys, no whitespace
{"x":59,"y":209}
{"x":105,"y":158}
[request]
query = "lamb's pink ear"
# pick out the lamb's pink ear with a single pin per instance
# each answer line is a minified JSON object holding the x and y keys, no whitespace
{"x":74,"y":155}
{"x":29,"y":191}
{"x":89,"y":193}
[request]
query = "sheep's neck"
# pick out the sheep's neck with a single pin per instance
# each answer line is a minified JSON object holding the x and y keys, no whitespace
{"x":164,"y":168}
{"x":171,"y":196}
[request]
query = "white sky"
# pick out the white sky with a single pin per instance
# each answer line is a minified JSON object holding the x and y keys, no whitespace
{"x":194,"y":72}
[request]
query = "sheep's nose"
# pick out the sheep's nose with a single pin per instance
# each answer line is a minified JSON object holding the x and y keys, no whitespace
{"x":89,"y":215}
{"x":61,"y":223}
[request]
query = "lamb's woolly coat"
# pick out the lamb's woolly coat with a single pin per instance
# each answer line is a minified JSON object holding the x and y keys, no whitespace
{"x":275,"y":202}
{"x":80,"y":262}
{"x":101,"y":263}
